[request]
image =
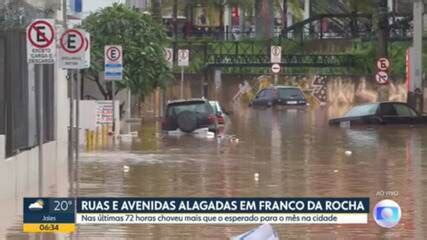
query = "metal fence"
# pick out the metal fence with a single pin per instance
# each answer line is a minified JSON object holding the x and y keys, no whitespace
{"x":17,"y":94}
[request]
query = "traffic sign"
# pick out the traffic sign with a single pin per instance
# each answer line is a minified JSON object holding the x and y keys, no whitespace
{"x":275,"y":68}
{"x":276,"y":54}
{"x":86,"y":57}
{"x":382,"y":77}
{"x":183,"y":57}
{"x":74,"y":46}
{"x":383,"y":64}
{"x":41,"y":47}
{"x":113,"y":62}
{"x":169,"y":56}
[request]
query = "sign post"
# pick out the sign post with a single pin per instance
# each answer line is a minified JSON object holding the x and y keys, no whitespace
{"x":276,"y":59}
{"x":74,"y":54}
{"x":41,"y":49}
{"x":275,"y":68}
{"x":183,"y":61}
{"x":113,"y":64}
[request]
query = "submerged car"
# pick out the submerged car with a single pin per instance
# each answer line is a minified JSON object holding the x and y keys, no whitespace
{"x":219,"y":113}
{"x":189,"y":116}
{"x":380,"y":113}
{"x":279,"y":96}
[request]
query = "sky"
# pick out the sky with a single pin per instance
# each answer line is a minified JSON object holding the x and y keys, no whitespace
{"x":92,"y":5}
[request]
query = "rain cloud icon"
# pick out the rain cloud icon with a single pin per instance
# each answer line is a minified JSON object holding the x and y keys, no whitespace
{"x":38,"y":205}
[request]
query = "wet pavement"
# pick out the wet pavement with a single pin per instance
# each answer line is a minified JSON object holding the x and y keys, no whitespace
{"x":294,"y":152}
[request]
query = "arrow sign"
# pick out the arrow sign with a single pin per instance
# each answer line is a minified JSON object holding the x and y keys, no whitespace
{"x":41,"y":47}
{"x":320,"y":89}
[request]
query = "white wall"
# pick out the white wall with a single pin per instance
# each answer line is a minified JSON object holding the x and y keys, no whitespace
{"x":88,"y":118}
{"x":19,"y":174}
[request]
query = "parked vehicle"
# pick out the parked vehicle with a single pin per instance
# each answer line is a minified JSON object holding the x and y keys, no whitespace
{"x":279,"y":95}
{"x":219,"y":113}
{"x":189,"y":115}
{"x":380,"y":113}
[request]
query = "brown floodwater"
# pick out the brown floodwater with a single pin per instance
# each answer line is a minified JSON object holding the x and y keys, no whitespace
{"x":296,"y":154}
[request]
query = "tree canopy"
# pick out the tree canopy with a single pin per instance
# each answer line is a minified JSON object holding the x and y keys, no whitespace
{"x":143,"y":41}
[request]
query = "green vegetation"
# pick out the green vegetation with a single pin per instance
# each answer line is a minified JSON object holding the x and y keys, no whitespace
{"x":362,"y":52}
{"x":143,"y":41}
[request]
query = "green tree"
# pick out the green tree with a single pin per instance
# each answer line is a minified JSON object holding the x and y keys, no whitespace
{"x":143,"y":41}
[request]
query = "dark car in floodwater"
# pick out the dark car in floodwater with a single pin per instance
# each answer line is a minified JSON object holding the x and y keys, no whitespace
{"x":189,"y":115}
{"x":380,"y":114}
{"x":279,"y":96}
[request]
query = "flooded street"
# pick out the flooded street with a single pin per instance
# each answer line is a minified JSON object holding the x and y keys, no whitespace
{"x":283,"y":153}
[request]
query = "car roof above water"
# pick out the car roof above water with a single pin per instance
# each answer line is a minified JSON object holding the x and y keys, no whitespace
{"x":285,"y":87}
{"x":187,"y":101}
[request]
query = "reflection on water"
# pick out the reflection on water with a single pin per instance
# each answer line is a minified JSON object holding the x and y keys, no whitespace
{"x":295,"y":153}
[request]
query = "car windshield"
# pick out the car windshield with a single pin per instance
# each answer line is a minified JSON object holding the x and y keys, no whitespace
{"x":198,"y":107}
{"x":362,"y":110}
{"x":290,"y":93}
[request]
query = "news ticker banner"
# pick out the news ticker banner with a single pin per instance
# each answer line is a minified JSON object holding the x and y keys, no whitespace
{"x":62,"y":214}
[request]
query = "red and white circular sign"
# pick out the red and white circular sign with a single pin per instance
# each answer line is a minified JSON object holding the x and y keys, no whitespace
{"x":275,"y":68}
{"x":113,"y":54}
{"x":41,"y":34}
{"x":382,"y":77}
{"x":383,"y":64}
{"x":72,"y":41}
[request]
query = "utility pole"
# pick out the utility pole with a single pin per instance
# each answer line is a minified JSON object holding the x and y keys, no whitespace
{"x":415,"y":81}
{"x":382,"y":28}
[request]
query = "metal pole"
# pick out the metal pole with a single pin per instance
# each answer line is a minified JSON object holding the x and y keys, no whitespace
{"x":40,"y":127}
{"x":77,"y":135}
{"x":416,"y":88}
{"x":129,"y":109}
{"x":113,"y":89}
{"x":276,"y":79}
{"x":182,"y":82}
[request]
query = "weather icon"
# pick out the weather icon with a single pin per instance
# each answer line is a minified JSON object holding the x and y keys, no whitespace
{"x":38,"y":205}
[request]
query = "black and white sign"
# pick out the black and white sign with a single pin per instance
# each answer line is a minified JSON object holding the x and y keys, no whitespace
{"x":275,"y":68}
{"x":183,"y":57}
{"x":382,"y":77}
{"x":383,"y":64}
{"x":41,"y":47}
{"x":113,"y":62}
{"x":74,"y":47}
{"x":169,"y":56}
{"x":276,"y":54}
{"x":320,"y":89}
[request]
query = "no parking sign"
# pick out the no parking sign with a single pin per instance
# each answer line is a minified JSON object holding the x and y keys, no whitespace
{"x":41,"y":47}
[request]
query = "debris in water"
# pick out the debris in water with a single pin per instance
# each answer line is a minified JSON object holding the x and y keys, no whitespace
{"x":126,"y":168}
{"x":234,"y":139}
{"x":256,"y":176}
{"x":348,"y":153}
